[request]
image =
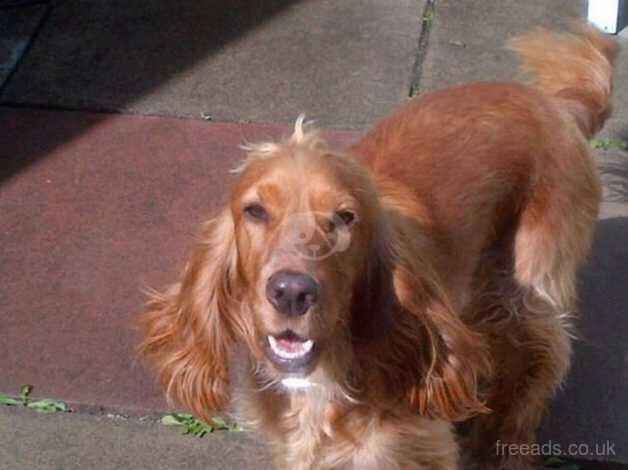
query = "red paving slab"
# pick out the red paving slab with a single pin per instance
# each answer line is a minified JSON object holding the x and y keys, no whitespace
{"x":92,"y":208}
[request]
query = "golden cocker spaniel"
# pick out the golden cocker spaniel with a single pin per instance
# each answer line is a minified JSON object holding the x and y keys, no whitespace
{"x":353,"y":305}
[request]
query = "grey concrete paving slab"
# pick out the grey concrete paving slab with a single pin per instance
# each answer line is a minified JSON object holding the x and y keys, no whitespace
{"x":31,"y":441}
{"x":617,"y":126}
{"x":468,"y":37}
{"x":613,"y":166}
{"x":17,"y":26}
{"x":467,"y":42}
{"x":343,"y":63}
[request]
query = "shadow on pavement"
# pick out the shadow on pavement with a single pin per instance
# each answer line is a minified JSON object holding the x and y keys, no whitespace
{"x":138,"y":45}
{"x":593,"y":407}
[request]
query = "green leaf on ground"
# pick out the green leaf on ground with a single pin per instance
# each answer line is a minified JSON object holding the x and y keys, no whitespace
{"x":170,"y":420}
{"x":188,"y":424}
{"x":47,"y":405}
{"x":9,"y":401}
{"x":554,"y":461}
{"x":560,"y":464}
{"x":609,"y":144}
{"x":222,"y":425}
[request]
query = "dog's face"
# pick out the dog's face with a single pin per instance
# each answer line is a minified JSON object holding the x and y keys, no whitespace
{"x":303,"y":227}
{"x":326,"y":276}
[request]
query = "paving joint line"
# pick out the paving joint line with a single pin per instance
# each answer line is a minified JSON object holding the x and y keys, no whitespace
{"x":427,"y":21}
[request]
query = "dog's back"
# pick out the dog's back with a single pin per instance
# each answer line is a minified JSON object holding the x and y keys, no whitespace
{"x":484,"y":157}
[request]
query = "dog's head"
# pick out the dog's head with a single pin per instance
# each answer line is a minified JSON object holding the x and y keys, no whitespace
{"x":307,"y":267}
{"x":303,"y":225}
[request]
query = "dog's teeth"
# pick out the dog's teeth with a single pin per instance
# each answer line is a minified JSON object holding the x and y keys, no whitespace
{"x":304,"y":348}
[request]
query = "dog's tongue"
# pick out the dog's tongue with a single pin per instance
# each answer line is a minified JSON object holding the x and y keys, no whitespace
{"x":290,"y":342}
{"x":291,"y":345}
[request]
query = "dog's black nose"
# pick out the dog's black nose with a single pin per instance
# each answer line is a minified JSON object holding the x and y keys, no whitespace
{"x":292,"y":293}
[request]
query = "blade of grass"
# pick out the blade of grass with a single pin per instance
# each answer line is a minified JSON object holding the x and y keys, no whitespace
{"x":9,"y":401}
{"x":188,"y":424}
{"x":49,"y":406}
{"x":46,"y":405}
{"x":609,"y":144}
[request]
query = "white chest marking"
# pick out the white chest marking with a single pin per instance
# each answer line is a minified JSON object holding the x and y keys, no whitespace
{"x":296,"y":383}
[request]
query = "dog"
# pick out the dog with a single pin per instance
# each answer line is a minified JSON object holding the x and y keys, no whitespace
{"x":355,"y":306}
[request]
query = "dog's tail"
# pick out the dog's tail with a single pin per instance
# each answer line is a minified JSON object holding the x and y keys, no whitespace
{"x":575,"y":67}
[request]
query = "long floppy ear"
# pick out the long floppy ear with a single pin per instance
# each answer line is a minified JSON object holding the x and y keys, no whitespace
{"x":189,"y":330}
{"x":454,"y":358}
{"x":439,"y":358}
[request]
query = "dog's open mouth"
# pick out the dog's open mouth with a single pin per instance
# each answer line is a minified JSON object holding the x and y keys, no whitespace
{"x":290,"y":352}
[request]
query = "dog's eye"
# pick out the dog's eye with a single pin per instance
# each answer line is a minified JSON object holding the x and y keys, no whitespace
{"x":256,"y":212}
{"x":347,"y":217}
